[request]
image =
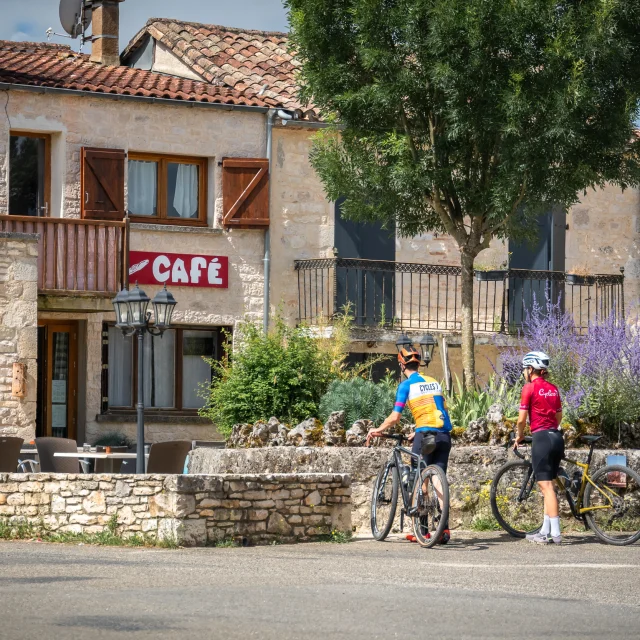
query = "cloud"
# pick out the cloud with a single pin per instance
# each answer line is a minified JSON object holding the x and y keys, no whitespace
{"x":20,"y":35}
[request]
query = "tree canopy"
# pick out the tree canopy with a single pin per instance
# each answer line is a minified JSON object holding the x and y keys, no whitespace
{"x":469,"y":117}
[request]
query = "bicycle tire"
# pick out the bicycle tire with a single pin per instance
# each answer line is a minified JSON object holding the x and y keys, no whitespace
{"x":525,"y":465}
{"x":590,"y":495}
{"x":432,"y":537}
{"x":381,"y":533}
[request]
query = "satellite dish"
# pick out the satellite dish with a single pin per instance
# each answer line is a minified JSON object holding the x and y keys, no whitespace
{"x":75,"y":16}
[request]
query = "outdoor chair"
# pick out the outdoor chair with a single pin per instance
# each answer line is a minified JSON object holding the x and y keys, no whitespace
{"x":168,"y":457}
{"x":49,"y":464}
{"x":100,"y":465}
{"x":10,"y":456}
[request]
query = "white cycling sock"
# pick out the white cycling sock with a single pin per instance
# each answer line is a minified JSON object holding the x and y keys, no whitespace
{"x":555,"y":526}
{"x":546,"y":526}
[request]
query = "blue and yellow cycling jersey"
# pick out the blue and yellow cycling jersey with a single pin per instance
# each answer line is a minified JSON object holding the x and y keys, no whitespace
{"x":426,"y":402}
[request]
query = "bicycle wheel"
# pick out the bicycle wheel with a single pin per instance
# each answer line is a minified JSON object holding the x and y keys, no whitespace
{"x":516,"y":501}
{"x":431,"y":506}
{"x":615,"y":500}
{"x":384,"y":501}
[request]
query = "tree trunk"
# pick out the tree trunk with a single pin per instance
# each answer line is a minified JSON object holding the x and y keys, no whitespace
{"x":468,"y":355}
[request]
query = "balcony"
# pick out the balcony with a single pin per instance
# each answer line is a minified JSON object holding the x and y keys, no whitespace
{"x":76,"y":258}
{"x":407,"y":296}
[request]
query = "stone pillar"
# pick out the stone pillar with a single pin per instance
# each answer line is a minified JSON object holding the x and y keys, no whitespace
{"x":105,"y":47}
{"x":18,"y":331}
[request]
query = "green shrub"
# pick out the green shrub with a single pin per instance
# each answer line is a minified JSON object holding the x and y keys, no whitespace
{"x":359,"y":399}
{"x":282,"y":374}
{"x":114,"y":439}
{"x":465,"y":405}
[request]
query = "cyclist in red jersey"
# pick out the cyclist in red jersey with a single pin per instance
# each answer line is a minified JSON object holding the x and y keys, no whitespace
{"x":541,"y":404}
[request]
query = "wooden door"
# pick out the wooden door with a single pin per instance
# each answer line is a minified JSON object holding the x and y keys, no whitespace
{"x":58,"y":369}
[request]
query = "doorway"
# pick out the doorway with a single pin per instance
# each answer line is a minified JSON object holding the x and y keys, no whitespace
{"x":57,"y":379}
{"x":547,"y":253}
{"x":29,"y":174}
{"x":369,"y":292}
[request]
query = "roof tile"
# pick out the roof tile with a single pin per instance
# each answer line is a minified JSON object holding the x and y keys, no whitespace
{"x":53,"y":65}
{"x":237,"y":57}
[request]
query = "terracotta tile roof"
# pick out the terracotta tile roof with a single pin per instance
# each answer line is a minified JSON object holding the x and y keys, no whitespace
{"x":253,"y":62}
{"x":53,"y":65}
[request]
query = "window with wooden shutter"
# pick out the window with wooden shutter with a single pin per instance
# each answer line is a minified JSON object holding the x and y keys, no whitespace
{"x":102,"y":183}
{"x":245,"y":192}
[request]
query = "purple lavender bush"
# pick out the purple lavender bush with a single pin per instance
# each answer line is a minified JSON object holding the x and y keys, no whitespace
{"x":597,"y":373}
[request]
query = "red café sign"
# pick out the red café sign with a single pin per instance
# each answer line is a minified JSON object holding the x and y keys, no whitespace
{"x":179,"y":269}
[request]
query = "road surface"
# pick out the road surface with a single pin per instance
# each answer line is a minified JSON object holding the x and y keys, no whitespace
{"x":482,"y":585}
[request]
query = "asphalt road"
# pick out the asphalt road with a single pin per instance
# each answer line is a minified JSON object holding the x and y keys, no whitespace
{"x":479,"y":586}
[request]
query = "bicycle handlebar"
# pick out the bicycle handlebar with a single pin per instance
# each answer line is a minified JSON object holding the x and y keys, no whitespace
{"x":393,"y":436}
{"x":512,"y":439}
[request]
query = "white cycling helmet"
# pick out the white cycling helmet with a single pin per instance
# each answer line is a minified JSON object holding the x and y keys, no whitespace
{"x":536,"y":360}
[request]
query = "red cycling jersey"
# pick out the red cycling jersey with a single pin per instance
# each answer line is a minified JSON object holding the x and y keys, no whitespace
{"x":542,"y":400}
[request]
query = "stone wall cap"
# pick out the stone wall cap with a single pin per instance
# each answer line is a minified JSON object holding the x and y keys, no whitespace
{"x":18,"y":235}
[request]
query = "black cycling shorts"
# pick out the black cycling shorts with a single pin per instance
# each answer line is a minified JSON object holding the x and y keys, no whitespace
{"x":547,"y":451}
{"x":440,"y":455}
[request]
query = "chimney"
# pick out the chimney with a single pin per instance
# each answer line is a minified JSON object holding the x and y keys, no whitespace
{"x":105,"y":47}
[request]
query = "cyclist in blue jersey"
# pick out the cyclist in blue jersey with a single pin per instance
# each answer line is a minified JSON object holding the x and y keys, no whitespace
{"x":423,"y":395}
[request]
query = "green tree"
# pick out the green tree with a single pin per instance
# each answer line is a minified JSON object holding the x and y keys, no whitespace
{"x":469,"y":117}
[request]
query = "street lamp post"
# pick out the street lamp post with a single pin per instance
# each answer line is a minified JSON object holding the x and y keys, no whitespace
{"x":133,"y":318}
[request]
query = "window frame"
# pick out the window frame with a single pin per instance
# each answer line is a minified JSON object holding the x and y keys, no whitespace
{"x":163,"y":161}
{"x":177,"y":409}
{"x":13,"y":133}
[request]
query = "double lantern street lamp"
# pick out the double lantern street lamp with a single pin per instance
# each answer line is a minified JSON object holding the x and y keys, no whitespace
{"x":133,"y":318}
{"x":426,"y":344}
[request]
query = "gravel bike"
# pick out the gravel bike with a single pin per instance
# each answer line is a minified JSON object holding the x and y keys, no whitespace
{"x":425,"y":496}
{"x":607,"y":502}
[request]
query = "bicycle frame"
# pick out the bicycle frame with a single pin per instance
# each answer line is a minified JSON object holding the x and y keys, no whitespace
{"x":396,"y":460}
{"x":576,"y":505}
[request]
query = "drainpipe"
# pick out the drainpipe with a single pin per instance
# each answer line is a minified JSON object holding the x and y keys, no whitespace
{"x":271,"y":116}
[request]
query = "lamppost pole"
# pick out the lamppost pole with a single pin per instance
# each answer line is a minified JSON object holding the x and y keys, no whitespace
{"x":133,"y":318}
{"x":140,"y":405}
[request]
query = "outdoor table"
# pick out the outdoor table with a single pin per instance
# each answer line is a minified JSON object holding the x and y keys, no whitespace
{"x":109,"y":457}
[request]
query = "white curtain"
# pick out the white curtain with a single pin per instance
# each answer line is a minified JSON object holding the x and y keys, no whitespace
{"x":143,"y":182}
{"x":120,"y":369}
{"x":159,"y":369}
{"x":185,"y":198}
{"x":197,"y":345}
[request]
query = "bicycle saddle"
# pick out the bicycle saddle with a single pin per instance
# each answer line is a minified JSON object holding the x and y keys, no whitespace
{"x":590,"y":439}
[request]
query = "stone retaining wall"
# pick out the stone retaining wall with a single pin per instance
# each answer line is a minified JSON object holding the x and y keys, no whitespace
{"x":193,"y":510}
{"x":470,"y":471}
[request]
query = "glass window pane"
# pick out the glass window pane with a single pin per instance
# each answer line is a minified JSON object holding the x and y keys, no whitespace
{"x":142,"y":187}
{"x":159,"y":370}
{"x":120,"y":369}
{"x":196,"y":345}
{"x":182,"y":188}
{"x":60,"y":385}
{"x":26,"y":175}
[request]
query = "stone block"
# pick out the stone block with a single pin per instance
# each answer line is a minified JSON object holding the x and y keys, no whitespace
{"x":123,"y":489}
{"x":258,"y":514}
{"x":95,"y":502}
{"x":15,"y":499}
{"x":126,"y":516}
{"x":278,"y":525}
{"x":58,"y":504}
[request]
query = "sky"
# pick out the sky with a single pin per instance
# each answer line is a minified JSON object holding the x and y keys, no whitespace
{"x":29,"y":19}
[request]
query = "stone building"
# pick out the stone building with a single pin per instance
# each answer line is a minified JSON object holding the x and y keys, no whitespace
{"x":187,"y":164}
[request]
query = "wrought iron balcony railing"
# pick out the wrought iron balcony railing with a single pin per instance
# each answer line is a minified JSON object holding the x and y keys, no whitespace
{"x":412,"y":296}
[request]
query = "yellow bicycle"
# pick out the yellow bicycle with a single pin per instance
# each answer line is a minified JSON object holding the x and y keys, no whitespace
{"x":608,"y":502}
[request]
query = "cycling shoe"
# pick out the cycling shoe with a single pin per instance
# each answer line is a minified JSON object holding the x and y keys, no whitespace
{"x":445,"y":537}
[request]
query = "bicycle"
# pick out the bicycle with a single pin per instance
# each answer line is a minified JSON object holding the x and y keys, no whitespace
{"x":425,"y":510}
{"x":608,"y":502}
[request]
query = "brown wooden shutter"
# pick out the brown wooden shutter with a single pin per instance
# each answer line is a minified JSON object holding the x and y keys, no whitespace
{"x":245,"y":192}
{"x":102,"y":183}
